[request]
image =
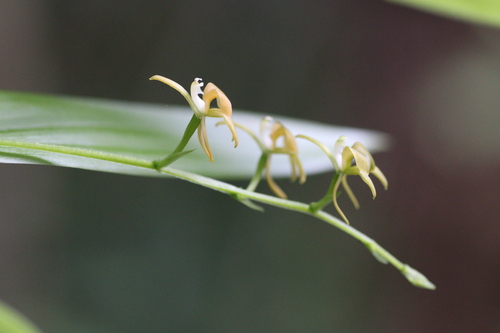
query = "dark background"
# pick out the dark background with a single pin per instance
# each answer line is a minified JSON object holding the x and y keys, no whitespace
{"x":92,"y":252}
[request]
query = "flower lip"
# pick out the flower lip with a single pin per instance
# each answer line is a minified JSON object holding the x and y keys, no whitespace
{"x":197,"y":97}
{"x":266,"y":125}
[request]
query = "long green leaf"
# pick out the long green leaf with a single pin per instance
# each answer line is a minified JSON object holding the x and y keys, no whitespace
{"x":30,"y":122}
{"x":475,"y":11}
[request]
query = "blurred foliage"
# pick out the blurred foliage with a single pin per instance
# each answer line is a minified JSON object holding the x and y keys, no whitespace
{"x":12,"y":321}
{"x":476,"y":11}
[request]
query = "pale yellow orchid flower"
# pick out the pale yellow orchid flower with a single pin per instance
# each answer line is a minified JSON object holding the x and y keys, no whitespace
{"x":201,"y":107}
{"x":355,"y":160}
{"x":349,"y":161}
{"x":272,"y":134}
{"x":274,"y":138}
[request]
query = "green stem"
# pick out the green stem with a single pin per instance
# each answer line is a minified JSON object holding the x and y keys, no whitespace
{"x":178,"y":152}
{"x":327,"y":199}
{"x":415,"y":277}
{"x":258,"y":172}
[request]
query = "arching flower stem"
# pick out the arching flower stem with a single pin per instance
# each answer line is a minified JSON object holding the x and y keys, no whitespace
{"x":257,"y":176}
{"x":192,"y":126}
{"x":327,"y":199}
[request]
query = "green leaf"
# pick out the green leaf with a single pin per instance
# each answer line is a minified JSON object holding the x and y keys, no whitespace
{"x":85,"y":132}
{"x":12,"y":321}
{"x":475,"y":11}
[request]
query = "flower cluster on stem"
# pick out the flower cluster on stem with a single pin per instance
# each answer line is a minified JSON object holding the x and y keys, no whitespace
{"x":274,"y":138}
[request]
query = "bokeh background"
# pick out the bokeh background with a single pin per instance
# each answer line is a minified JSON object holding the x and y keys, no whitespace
{"x":89,"y":252}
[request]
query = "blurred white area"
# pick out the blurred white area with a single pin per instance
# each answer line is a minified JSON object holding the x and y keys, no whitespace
{"x":457,"y":123}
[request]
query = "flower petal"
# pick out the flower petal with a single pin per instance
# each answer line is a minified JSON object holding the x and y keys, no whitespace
{"x":377,"y":173}
{"x":338,"y":154}
{"x":203,"y":138}
{"x":334,"y":198}
{"x":211,"y":93}
{"x":180,"y":89}
{"x":350,"y":193}
{"x":272,"y":184}
{"x":296,"y":164}
{"x":230,"y":125}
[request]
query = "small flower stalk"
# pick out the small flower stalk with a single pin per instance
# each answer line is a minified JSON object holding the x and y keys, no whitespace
{"x":200,"y":102}
{"x":274,"y":138}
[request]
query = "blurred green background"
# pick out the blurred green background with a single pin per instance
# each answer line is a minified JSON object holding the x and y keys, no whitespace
{"x":83,"y":251}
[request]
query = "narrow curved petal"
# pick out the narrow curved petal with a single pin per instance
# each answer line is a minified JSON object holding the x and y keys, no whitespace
{"x":368,"y":182}
{"x":350,"y":193}
{"x":377,"y":173}
{"x":203,"y":138}
{"x":180,"y":89}
{"x":230,"y":125}
{"x":334,"y":198}
{"x":272,"y":184}
{"x":293,"y":176}
{"x":298,"y":165}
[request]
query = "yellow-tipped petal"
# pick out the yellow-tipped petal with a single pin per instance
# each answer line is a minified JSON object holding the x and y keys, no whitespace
{"x":212,"y":92}
{"x":277,"y":130}
{"x":224,"y":111}
{"x":293,"y":176}
{"x":377,"y":173}
{"x":297,"y":169}
{"x":350,"y":193}
{"x":369,"y":182}
{"x":203,"y":138}
{"x":271,"y":183}
{"x":334,"y":198}
{"x":230,"y":125}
